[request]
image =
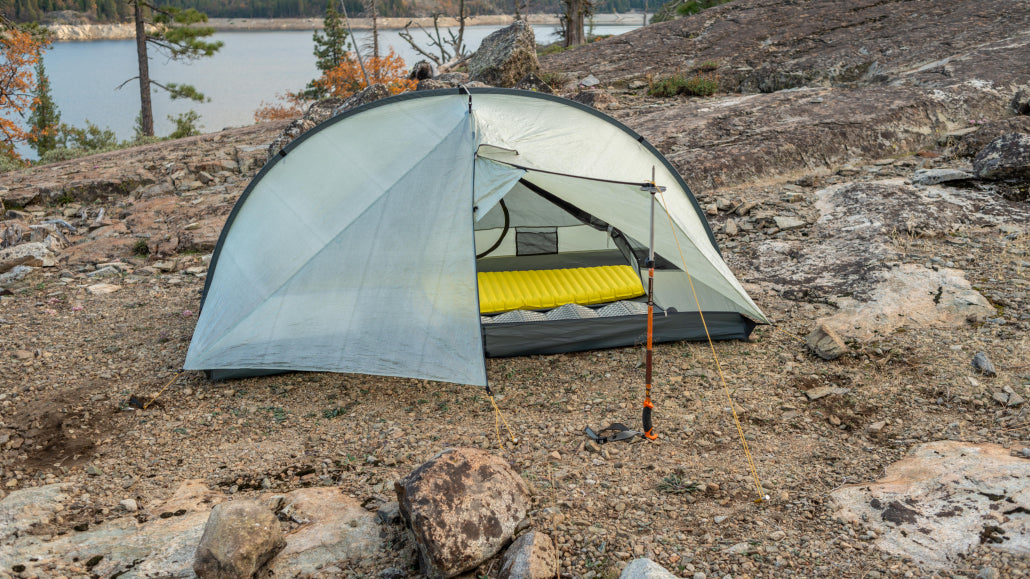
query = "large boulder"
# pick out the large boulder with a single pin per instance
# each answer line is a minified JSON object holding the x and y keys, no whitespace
{"x":506,"y":56}
{"x":531,"y":556}
{"x":462,"y":506}
{"x":239,"y":538}
{"x":1007,"y":157}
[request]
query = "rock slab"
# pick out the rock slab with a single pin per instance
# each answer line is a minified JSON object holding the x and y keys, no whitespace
{"x":239,"y":538}
{"x":462,"y":506}
{"x":531,"y":556}
{"x":939,"y":502}
{"x":28,"y":254}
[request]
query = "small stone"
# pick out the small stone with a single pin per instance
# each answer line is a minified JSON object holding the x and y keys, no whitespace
{"x":825,"y":343}
{"x":555,"y":455}
{"x":719,"y":519}
{"x":983,"y":364}
{"x":786,"y":222}
{"x":988,"y":573}
{"x":645,"y":569}
{"x":876,"y":427}
{"x":129,"y":505}
{"x":935,"y":176}
{"x":823,"y":391}
{"x":101,"y":289}
{"x":777,"y":535}
{"x":712,"y":209}
{"x":731,"y":228}
{"x":834,"y":420}
{"x":746,"y":208}
{"x":23,"y":355}
{"x":389,"y":513}
{"x":738,"y":549}
{"x":531,"y":556}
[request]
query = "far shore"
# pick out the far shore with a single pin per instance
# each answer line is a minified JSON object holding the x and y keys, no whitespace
{"x":83,"y":32}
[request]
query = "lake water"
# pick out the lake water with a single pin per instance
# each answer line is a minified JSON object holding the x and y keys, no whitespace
{"x":252,"y":67}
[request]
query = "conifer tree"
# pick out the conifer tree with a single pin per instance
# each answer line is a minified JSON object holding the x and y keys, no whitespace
{"x":46,"y":117}
{"x":331,"y":48}
{"x":176,"y":39}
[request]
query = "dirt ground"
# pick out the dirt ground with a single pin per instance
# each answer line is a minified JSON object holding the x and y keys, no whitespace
{"x":90,"y":407}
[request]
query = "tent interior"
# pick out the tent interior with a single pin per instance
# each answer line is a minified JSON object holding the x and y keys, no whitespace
{"x":576,"y":299}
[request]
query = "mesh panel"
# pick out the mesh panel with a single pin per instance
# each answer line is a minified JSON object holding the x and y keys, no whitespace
{"x":537,"y":242}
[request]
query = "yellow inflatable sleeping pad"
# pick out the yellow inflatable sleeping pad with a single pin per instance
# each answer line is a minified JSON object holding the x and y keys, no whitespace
{"x":502,"y":291}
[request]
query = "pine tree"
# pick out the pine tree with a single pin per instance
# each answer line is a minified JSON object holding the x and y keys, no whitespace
{"x":46,"y":117}
{"x":331,"y":48}
{"x":178,"y":40}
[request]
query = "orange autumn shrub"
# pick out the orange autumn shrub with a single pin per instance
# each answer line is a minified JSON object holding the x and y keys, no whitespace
{"x":19,"y":52}
{"x":290,"y":106}
{"x":346,"y":78}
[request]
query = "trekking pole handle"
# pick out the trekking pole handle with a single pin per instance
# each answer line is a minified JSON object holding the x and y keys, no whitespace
{"x":648,"y":425}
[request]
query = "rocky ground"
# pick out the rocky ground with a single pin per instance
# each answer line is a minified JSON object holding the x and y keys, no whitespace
{"x":819,"y":204}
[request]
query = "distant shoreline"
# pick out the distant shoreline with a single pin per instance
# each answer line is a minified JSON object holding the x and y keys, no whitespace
{"x":86,"y":32}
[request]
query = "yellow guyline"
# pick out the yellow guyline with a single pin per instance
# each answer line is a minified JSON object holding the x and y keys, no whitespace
{"x":722,"y":377}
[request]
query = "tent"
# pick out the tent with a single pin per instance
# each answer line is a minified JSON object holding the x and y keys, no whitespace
{"x":368,"y":244}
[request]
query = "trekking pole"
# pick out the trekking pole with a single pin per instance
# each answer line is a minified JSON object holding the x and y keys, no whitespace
{"x":653,"y":189}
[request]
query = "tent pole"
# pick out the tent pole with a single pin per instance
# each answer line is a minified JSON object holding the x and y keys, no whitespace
{"x":653,"y":189}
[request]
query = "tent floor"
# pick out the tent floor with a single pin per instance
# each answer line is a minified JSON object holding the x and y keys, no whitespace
{"x":559,"y":336}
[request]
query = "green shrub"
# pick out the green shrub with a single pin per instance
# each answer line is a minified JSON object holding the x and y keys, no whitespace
{"x":708,"y":66}
{"x":555,"y":80}
{"x":680,"y":8}
{"x":141,"y":248}
{"x":9,"y":163}
{"x":554,"y":48}
{"x":701,"y":84}
{"x":185,"y":125}
{"x":91,"y":138}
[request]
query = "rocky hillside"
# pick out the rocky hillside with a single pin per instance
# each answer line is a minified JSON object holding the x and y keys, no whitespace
{"x":820,"y":82}
{"x":865,"y":167}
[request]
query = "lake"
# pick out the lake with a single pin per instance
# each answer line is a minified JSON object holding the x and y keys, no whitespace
{"x":251,"y":68}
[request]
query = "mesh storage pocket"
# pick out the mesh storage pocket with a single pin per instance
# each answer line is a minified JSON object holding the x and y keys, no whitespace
{"x":536,"y":241}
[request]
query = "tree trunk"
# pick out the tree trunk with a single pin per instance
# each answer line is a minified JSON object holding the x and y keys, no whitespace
{"x":146,"y":111}
{"x":574,"y":10}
